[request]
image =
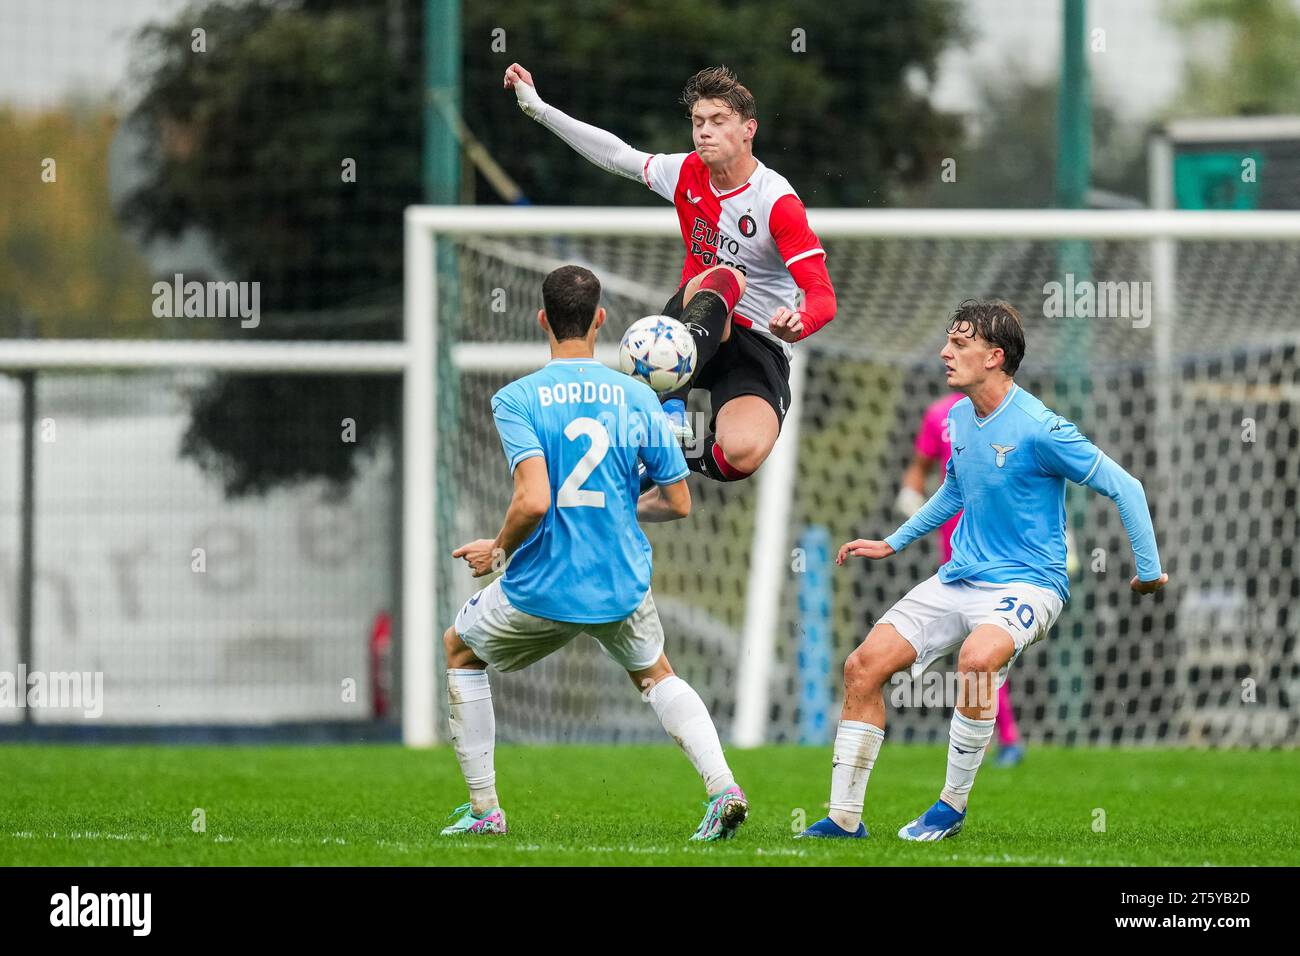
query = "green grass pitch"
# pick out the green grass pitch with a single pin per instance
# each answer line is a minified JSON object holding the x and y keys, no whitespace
{"x":630,"y":805}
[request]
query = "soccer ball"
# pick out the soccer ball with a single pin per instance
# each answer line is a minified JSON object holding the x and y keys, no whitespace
{"x":659,"y":351}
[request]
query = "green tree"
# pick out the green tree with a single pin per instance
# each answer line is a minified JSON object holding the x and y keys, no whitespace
{"x":66,"y":270}
{"x":843,"y":120}
{"x":254,"y":133}
{"x":1007,"y":160}
{"x":250,"y":138}
{"x":1259,"y":75}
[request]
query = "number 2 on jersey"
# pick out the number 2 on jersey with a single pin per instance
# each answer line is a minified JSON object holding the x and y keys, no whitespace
{"x":571,"y":494}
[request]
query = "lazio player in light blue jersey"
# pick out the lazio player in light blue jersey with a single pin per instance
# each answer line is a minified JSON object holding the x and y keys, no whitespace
{"x":575,"y":435}
{"x":1006,"y":582}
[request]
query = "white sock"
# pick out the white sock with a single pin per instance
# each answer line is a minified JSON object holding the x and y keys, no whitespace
{"x":856,"y":747}
{"x":967,"y":740}
{"x":473,"y":733}
{"x":687,"y":721}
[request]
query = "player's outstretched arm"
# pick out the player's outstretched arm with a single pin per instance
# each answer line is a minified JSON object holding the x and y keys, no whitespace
{"x":1130,"y":498}
{"x":862,"y":548}
{"x":598,"y":146}
{"x":1062,"y":450}
{"x":943,"y":504}
{"x":528,"y":506}
{"x":665,"y":502}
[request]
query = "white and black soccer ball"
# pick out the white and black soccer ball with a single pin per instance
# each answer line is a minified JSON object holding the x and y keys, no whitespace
{"x":659,"y":351}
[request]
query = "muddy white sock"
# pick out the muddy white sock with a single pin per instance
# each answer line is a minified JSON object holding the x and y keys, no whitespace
{"x":967,"y":740}
{"x":473,"y":734}
{"x":687,"y":721}
{"x":856,"y":747}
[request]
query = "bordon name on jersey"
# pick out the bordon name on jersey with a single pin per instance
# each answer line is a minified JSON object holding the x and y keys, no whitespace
{"x":588,"y":561}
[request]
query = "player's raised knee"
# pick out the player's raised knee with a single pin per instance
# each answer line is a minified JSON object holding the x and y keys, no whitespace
{"x":745,"y":452}
{"x":451,"y":642}
{"x":459,"y":654}
{"x":862,"y":672}
{"x":738,"y":276}
{"x":979,"y":660}
{"x":727,"y":282}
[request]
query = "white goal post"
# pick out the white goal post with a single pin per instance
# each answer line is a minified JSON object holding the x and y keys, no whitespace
{"x":776,"y":481}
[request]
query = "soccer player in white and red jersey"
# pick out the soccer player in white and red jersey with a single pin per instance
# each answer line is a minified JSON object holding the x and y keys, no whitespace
{"x":749,"y":250}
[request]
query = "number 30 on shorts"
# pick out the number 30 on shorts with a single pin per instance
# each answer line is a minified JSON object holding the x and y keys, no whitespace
{"x":1024,"y":613}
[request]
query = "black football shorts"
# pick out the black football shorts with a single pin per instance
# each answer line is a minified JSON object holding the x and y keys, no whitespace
{"x":745,"y":364}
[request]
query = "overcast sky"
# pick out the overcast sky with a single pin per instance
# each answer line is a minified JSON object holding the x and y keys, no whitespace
{"x":1139,"y":71}
{"x":50,"y":49}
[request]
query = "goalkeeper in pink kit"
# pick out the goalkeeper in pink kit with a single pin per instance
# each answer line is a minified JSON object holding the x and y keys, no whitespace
{"x":933,"y":449}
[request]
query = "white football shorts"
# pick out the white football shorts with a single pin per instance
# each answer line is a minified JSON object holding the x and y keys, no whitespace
{"x":935,"y":617}
{"x":510,"y":639}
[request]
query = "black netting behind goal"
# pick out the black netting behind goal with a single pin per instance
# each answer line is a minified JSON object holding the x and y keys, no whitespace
{"x":1208,"y":422}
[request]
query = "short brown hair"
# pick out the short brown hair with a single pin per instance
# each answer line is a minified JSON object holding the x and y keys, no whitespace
{"x":997,"y":323}
{"x":570,"y":296}
{"x":719,"y":83}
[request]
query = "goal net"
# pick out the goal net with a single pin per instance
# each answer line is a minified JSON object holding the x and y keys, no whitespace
{"x":1170,"y":338}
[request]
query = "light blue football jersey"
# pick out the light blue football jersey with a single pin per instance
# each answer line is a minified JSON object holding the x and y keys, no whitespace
{"x":588,"y":561}
{"x":1007,"y":476}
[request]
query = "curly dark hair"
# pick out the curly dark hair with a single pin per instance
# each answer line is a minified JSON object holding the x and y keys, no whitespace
{"x":997,"y":323}
{"x":719,"y":83}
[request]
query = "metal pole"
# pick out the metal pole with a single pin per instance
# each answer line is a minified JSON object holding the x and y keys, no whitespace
{"x":1164,"y":269}
{"x":441,"y":96}
{"x":1074,"y":258}
{"x":430,"y":381}
{"x":27,"y":517}
{"x":1074,"y":101}
{"x":442,"y":186}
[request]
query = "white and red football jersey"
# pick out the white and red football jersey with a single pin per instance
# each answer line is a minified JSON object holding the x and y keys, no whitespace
{"x":759,"y":228}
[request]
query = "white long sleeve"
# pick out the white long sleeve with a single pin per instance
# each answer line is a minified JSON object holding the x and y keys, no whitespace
{"x":598,"y":146}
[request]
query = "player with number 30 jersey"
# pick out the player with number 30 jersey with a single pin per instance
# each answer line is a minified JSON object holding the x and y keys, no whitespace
{"x":1006,"y":582}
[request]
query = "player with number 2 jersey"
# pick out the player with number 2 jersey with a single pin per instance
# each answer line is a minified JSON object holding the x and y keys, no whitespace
{"x":575,"y":435}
